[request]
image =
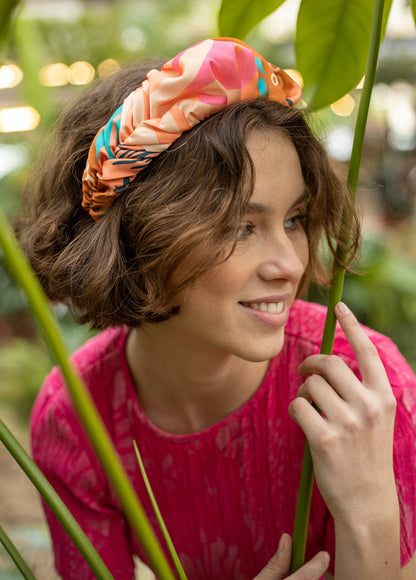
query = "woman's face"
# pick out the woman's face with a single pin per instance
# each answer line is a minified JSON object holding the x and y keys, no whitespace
{"x":241,"y":306}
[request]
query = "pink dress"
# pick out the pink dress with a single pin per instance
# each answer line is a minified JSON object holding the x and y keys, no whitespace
{"x":226,"y":493}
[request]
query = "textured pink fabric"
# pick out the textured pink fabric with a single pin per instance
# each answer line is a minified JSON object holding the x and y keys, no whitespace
{"x":226,"y":493}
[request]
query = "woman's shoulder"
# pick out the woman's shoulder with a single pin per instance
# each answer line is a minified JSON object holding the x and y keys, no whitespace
{"x":97,"y":361}
{"x":98,"y":351}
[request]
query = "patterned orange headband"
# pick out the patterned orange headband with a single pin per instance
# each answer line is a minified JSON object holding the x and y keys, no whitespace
{"x":197,"y":83}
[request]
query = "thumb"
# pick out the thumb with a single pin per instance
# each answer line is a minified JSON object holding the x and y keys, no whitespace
{"x":279,"y":564}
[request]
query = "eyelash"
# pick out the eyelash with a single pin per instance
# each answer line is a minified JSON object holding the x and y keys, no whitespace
{"x":245,"y":231}
{"x":247,"y":228}
{"x":297,"y":218}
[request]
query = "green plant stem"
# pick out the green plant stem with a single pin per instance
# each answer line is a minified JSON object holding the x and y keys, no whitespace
{"x":15,"y":556}
{"x":168,"y":540}
{"x":335,"y":293}
{"x":55,"y":503}
{"x":81,"y":398}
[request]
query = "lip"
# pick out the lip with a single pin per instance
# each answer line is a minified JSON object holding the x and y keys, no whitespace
{"x":268,"y":318}
{"x":268,"y":299}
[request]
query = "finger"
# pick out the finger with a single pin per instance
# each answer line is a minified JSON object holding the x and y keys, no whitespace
{"x":312,"y":423}
{"x":314,"y":569}
{"x":278,"y":566}
{"x":369,"y":363}
{"x":317,"y":390}
{"x":341,"y":378}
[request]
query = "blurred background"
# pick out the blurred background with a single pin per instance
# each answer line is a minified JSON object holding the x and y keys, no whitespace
{"x":57,"y":50}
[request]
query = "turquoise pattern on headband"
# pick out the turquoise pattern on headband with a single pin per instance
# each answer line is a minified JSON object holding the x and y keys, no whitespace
{"x":103,"y":138}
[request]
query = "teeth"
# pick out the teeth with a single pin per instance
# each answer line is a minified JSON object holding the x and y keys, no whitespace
{"x":273,"y":307}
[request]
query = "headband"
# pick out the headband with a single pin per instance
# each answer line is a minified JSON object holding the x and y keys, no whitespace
{"x":197,"y":83}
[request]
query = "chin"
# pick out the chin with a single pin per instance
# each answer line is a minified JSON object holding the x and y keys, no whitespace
{"x":258,"y":354}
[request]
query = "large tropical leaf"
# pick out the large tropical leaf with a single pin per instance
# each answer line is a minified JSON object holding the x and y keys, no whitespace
{"x":7,"y":8}
{"x":332,"y":40}
{"x":237,"y":17}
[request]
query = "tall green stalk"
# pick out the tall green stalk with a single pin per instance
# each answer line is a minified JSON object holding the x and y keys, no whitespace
{"x":335,"y":293}
{"x":15,"y":556}
{"x":81,"y":398}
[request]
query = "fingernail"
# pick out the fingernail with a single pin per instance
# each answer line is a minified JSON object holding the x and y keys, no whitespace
{"x":342,"y":308}
{"x":281,"y":545}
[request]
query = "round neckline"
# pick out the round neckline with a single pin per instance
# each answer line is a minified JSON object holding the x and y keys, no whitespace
{"x":186,"y":437}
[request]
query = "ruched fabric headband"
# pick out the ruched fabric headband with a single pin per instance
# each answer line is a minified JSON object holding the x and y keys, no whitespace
{"x":198,"y":82}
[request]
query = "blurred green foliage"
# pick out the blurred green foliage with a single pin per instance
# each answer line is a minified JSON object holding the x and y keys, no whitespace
{"x":384,"y":295}
{"x":23,"y":367}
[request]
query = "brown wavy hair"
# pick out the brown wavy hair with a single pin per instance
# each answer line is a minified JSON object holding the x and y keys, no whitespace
{"x":178,"y":218}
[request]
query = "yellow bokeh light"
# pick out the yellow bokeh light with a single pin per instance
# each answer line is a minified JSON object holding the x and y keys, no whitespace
{"x":295,"y":75}
{"x":361,"y":83}
{"x":81,"y":73}
{"x":10,"y":76}
{"x":18,"y":119}
{"x":54,"y":75}
{"x":107,"y":67}
{"x":344,"y":106}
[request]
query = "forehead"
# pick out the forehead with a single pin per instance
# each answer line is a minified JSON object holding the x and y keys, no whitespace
{"x":277,"y":170}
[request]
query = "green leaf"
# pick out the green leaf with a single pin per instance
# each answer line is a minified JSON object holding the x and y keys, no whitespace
{"x":7,"y":10}
{"x":237,"y":17}
{"x":414,"y":10}
{"x":161,"y":522}
{"x":332,"y":41}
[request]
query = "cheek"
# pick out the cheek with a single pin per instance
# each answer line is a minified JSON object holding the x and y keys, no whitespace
{"x":306,"y":253}
{"x":210,"y":287}
{"x":303,"y":249}
{"x":222,"y":280}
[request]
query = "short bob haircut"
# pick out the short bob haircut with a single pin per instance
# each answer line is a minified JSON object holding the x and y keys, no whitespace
{"x":178,"y":218}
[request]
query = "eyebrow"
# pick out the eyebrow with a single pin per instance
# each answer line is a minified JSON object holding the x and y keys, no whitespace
{"x":257,"y":208}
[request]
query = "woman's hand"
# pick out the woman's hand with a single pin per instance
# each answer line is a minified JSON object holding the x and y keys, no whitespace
{"x":352,"y":443}
{"x":278,"y":566}
{"x":352,"y":451}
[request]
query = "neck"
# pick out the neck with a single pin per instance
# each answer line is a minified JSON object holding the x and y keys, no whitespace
{"x":183,"y":389}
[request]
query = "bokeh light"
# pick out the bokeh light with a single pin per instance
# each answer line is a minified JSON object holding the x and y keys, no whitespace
{"x":10,"y":76}
{"x":295,"y":75}
{"x":81,"y":73}
{"x":344,"y":106}
{"x":107,"y":67}
{"x":54,"y":75}
{"x":18,"y":119}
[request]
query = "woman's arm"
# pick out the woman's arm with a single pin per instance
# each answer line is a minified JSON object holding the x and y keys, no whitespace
{"x":408,"y":571}
{"x":352,"y":450}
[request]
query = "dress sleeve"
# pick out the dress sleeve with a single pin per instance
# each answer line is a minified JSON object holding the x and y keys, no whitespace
{"x":404,"y":387}
{"x":63,"y":454}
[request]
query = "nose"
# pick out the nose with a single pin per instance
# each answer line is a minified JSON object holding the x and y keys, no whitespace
{"x":283,"y":258}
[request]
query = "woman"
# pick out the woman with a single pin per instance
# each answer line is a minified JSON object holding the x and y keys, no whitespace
{"x":204,"y":200}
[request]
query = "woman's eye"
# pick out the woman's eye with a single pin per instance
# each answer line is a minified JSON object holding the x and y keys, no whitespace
{"x":293,"y":222}
{"x":245,"y":231}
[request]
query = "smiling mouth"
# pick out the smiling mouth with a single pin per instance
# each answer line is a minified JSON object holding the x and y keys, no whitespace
{"x":272,"y":307}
